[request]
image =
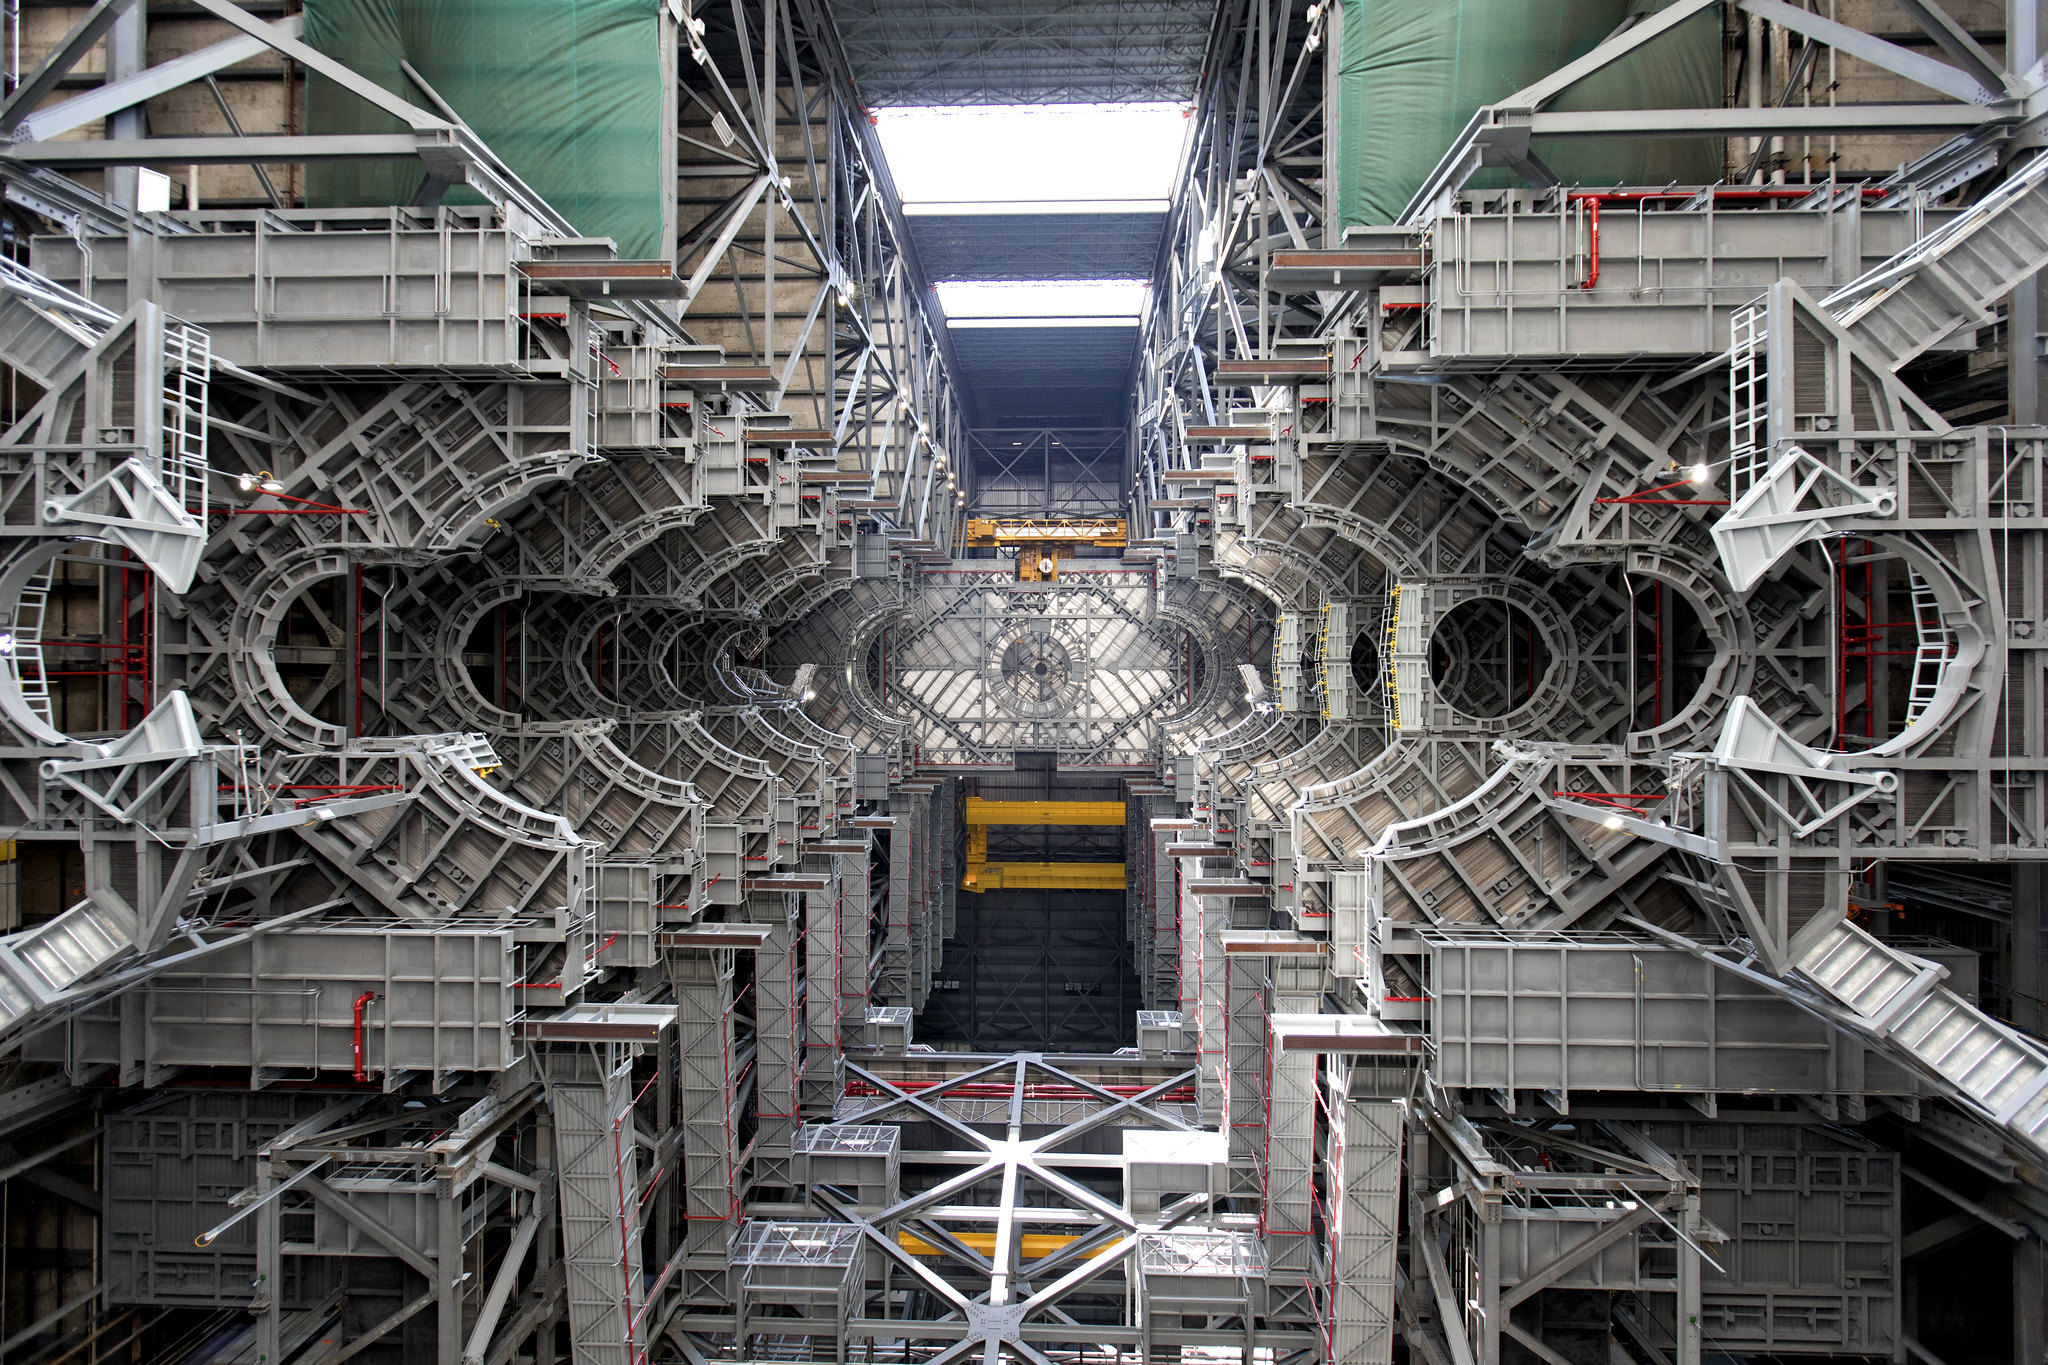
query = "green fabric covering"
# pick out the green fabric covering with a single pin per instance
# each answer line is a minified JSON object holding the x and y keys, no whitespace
{"x":1412,"y":72}
{"x":571,"y":95}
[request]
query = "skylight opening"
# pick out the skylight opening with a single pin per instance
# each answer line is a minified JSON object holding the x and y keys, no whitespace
{"x":1043,"y":303}
{"x":1034,"y":158}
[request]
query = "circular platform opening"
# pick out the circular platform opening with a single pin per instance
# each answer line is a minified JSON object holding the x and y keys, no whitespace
{"x":1365,"y":663}
{"x":1487,"y":657}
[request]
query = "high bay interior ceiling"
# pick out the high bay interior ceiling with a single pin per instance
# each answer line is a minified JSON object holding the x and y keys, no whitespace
{"x":822,"y":680}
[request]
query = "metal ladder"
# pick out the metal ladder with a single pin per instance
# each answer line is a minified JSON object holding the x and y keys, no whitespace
{"x":1749,"y":445}
{"x":25,"y":653}
{"x":1390,"y":621}
{"x":188,"y":367}
{"x":1990,"y":1069}
{"x":1937,"y":645}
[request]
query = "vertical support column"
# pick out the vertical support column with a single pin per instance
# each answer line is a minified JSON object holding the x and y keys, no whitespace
{"x":2029,"y":1292}
{"x":1211,"y":916}
{"x":1285,"y":1190}
{"x":819,"y":1085}
{"x":590,"y":1090}
{"x":924,"y":923}
{"x":2029,"y":973}
{"x":892,"y":984}
{"x":703,"y":986}
{"x":1163,"y":986}
{"x":1486,"y":1345}
{"x":1244,"y":1066}
{"x":1365,"y":1187}
{"x":548,"y":1239}
{"x":775,"y":1034}
{"x":1689,"y":1334}
{"x":127,"y":44}
{"x":448,"y":1276}
{"x":945,"y":826}
{"x":855,"y":887}
{"x":267,"y":1305}
{"x":896,"y":945}
{"x":2027,"y":377}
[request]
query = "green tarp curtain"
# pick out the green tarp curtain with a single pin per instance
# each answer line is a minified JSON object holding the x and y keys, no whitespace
{"x":571,"y":95}
{"x":1411,"y":73}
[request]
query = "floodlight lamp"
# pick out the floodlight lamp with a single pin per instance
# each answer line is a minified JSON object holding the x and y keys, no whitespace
{"x":1700,"y":473}
{"x":1611,"y":822}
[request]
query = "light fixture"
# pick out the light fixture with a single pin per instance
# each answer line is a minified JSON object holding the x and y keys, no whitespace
{"x":1700,"y":473}
{"x":1611,"y":822}
{"x":810,"y":693}
{"x":272,"y":485}
{"x":246,"y":482}
{"x":6,"y":644}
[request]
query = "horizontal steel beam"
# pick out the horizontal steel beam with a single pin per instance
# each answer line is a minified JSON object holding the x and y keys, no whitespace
{"x":219,"y":151}
{"x":1817,"y":121}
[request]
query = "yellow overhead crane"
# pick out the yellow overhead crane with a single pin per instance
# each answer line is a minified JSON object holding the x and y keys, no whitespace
{"x":1032,"y":1246}
{"x":983,"y":875}
{"x":1042,"y":543}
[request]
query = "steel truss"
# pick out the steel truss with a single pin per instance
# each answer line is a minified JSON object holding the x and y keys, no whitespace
{"x":536,"y":712}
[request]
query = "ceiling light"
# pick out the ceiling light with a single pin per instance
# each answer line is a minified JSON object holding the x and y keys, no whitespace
{"x":1011,"y":303}
{"x":1700,"y":473}
{"x":1612,"y":822}
{"x":1023,"y":153}
{"x":272,"y":486}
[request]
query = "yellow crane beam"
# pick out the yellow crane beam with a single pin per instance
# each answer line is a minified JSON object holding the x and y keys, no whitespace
{"x":1032,"y":1245}
{"x":1107,"y":532}
{"x":980,"y":812}
{"x":1044,"y":877}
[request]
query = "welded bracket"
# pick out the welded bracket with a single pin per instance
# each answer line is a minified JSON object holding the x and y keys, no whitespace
{"x":126,"y":775}
{"x":1798,"y":499}
{"x":1753,"y":746}
{"x":148,"y":521}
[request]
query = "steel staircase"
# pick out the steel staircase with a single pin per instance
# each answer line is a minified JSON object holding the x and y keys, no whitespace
{"x":1997,"y":1073}
{"x":1951,"y":277}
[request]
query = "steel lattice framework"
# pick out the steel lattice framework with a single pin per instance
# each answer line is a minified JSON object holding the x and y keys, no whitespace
{"x":516,"y":784}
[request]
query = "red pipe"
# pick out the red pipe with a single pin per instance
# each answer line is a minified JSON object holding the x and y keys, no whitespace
{"x":362,"y":1073}
{"x":1592,"y":203}
{"x":359,"y":651}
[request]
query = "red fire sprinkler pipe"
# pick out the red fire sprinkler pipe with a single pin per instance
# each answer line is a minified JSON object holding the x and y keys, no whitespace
{"x":362,"y":1074}
{"x":1592,"y":203}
